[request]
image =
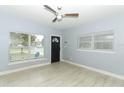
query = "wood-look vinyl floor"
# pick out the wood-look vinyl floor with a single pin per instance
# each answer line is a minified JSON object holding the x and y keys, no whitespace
{"x":59,"y":75}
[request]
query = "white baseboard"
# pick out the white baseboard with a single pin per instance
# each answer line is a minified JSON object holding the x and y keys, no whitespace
{"x":21,"y":69}
{"x":95,"y":69}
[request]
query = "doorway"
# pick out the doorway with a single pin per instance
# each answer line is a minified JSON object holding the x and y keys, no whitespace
{"x":55,"y":49}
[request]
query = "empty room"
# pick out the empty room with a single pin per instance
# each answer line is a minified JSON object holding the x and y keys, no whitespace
{"x":62,"y":45}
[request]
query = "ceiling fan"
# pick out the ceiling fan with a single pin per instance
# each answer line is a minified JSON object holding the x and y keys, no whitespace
{"x":59,"y":16}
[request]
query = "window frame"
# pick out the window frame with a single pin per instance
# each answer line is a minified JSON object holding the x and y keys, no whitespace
{"x":93,"y":41}
{"x":29,"y":45}
{"x":84,"y":35}
{"x":104,"y":33}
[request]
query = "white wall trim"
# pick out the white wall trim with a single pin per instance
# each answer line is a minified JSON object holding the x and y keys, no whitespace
{"x":95,"y":69}
{"x":98,"y":51}
{"x":21,"y":69}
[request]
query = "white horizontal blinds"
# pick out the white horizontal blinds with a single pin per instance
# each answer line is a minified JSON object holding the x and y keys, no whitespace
{"x":97,"y":41}
{"x":85,"y":42}
{"x":103,"y":41}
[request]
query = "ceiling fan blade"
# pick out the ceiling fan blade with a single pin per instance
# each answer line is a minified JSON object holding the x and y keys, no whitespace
{"x":71,"y":15}
{"x":54,"y":20}
{"x":50,"y":9}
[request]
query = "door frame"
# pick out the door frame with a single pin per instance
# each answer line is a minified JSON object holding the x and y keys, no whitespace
{"x":60,"y":46}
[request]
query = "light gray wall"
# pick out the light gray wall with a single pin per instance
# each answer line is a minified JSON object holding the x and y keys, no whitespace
{"x":112,"y":62}
{"x":11,"y":23}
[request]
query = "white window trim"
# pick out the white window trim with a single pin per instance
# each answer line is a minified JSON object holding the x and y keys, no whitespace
{"x":86,"y":34}
{"x":98,"y":51}
{"x":93,"y":41}
{"x":26,"y":60}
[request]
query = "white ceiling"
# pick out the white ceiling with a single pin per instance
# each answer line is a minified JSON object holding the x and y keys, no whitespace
{"x":88,"y":13}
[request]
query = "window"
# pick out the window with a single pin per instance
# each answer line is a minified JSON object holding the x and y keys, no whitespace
{"x":97,"y":41}
{"x":85,"y":42}
{"x":25,"y":46}
{"x":103,"y":41}
{"x":37,"y":45}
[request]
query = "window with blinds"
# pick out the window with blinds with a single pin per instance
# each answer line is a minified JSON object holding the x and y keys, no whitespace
{"x":85,"y":42}
{"x":97,"y":41}
{"x":104,"y":41}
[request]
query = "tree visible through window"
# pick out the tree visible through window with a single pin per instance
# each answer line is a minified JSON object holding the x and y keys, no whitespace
{"x":25,"y":46}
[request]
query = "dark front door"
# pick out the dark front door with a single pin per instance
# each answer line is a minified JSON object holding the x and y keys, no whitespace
{"x":55,"y":49}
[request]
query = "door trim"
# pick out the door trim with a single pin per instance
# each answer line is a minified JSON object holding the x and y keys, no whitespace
{"x":60,"y":46}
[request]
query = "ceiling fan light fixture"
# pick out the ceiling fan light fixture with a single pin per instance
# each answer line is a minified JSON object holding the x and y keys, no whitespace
{"x":58,"y":15}
{"x":59,"y":7}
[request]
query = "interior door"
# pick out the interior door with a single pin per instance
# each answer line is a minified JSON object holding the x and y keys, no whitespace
{"x":55,"y":49}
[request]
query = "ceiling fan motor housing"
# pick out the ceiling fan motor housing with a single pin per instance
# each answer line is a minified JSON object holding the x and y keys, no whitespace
{"x":59,"y":7}
{"x":59,"y":17}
